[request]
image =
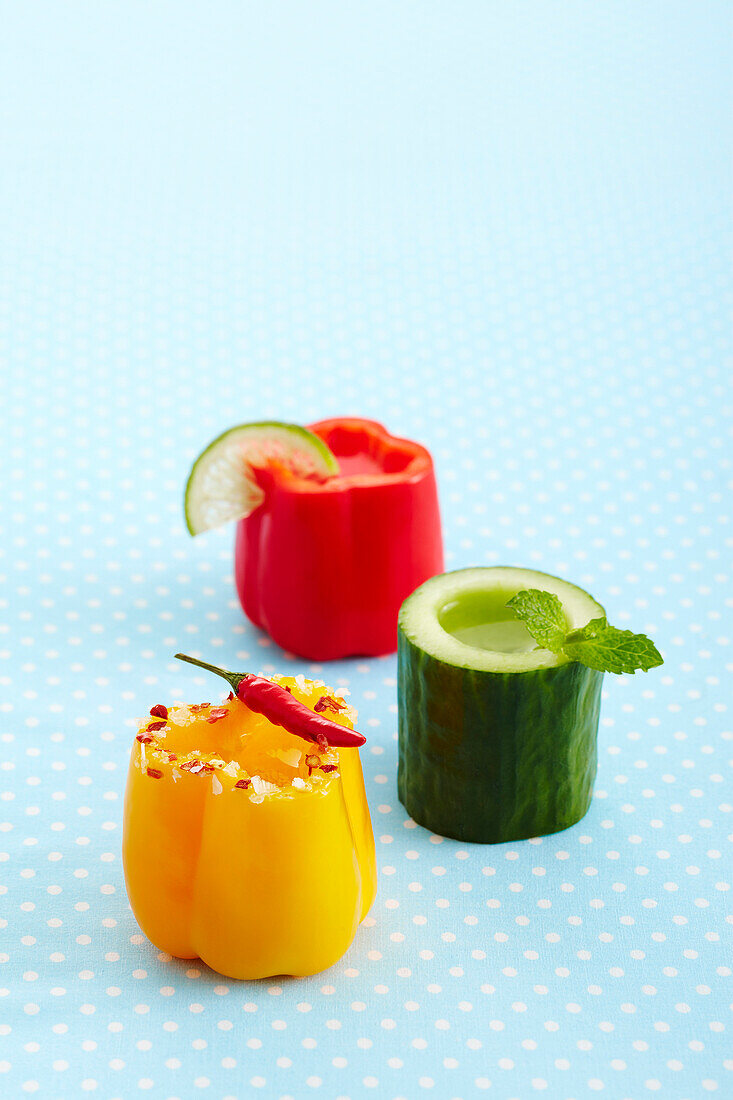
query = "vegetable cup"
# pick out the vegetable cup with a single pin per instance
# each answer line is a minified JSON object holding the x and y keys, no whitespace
{"x":247,"y":844}
{"x":323,"y":566}
{"x":497,"y":736}
{"x":337,"y":524}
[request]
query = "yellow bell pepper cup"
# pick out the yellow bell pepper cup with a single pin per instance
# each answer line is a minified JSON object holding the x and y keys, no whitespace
{"x":243,"y":844}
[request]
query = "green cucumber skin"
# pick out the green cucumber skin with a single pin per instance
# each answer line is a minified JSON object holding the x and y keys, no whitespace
{"x":489,"y":757}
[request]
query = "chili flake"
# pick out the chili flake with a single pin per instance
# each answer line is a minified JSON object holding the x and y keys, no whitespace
{"x":327,"y":702}
{"x":216,"y":714}
{"x":196,"y":767}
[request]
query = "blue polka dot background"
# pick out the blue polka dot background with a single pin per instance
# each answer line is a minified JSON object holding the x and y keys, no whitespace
{"x":503,"y":230}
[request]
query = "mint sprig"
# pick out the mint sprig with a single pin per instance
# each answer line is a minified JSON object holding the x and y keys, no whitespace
{"x":597,"y":645}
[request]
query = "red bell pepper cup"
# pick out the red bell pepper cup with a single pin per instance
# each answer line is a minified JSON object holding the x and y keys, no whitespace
{"x":323,"y":567}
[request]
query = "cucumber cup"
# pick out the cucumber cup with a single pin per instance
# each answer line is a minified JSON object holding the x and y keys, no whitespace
{"x":497,"y":737}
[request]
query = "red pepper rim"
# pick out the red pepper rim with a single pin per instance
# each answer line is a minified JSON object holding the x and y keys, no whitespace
{"x":418,"y":459}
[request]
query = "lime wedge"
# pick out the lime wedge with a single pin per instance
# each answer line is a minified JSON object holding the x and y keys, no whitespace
{"x":222,"y":486}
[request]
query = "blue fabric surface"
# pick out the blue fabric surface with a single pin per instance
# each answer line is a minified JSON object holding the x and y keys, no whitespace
{"x":502,"y":229}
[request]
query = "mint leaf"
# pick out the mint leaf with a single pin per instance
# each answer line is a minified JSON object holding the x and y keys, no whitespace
{"x":542,"y":614}
{"x":611,"y":650}
{"x":597,"y":645}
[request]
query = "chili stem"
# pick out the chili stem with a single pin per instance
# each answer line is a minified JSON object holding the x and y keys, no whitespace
{"x":232,"y":678}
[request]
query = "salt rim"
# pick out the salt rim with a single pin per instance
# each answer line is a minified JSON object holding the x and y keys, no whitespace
{"x":180,"y":714}
{"x":221,"y":485}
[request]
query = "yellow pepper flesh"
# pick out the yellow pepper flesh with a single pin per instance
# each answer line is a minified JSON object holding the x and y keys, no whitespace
{"x":257,"y":880}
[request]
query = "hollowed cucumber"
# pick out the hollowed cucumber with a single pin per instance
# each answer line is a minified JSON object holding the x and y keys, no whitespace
{"x":494,"y":744}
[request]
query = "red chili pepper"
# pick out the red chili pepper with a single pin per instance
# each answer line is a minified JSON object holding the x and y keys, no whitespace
{"x":323,"y":566}
{"x":279,"y":706}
